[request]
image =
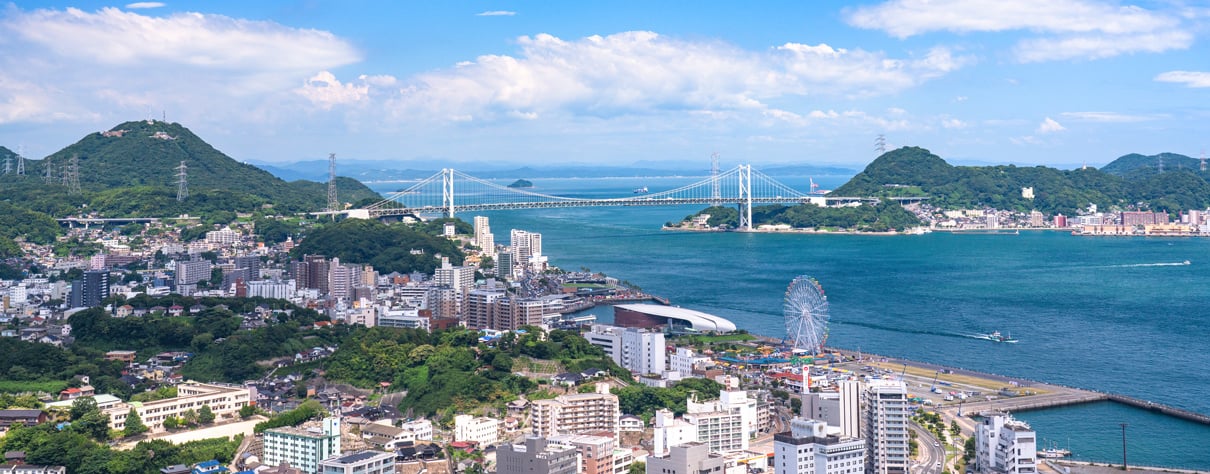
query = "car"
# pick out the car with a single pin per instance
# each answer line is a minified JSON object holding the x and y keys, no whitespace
{"x":936,"y":444}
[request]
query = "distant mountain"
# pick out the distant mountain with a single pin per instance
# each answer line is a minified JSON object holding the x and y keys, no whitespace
{"x":1135,"y":163}
{"x":391,"y":171}
{"x":913,"y":171}
{"x":133,"y":169}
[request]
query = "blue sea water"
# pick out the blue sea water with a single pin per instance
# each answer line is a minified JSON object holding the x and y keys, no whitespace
{"x":1113,"y":314}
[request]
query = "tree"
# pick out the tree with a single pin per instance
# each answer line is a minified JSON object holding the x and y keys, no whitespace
{"x":247,"y":411}
{"x":205,"y":415}
{"x":637,"y":468}
{"x":93,"y":424}
{"x":134,"y":424}
{"x":954,"y":428}
{"x":190,"y":417}
{"x":172,"y":423}
{"x":82,"y":406}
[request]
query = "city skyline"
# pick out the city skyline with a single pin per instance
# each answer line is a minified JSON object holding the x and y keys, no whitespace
{"x":1058,"y":83}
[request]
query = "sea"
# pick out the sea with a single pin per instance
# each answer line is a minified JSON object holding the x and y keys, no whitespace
{"x":1114,"y":314}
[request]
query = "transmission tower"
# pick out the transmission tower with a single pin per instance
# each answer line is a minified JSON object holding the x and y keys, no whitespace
{"x":8,"y":164}
{"x":880,"y":144}
{"x":1203,"y":160}
{"x":333,"y":202}
{"x":1161,"y":165}
{"x":21,"y":160}
{"x":71,"y":175}
{"x":182,"y":183}
{"x":49,"y":171}
{"x":716,"y":194}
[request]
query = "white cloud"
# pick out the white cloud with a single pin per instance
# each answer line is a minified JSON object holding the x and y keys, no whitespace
{"x":641,"y":72}
{"x":326,"y":91}
{"x":143,"y":5}
{"x":1050,"y":126}
{"x":1188,"y":78}
{"x":1072,"y":28}
{"x":1100,"y":46}
{"x":496,"y":13}
{"x":953,"y":123}
{"x":118,"y":64}
{"x":1109,"y":117}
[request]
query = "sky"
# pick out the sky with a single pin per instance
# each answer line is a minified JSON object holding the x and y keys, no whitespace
{"x":1051,"y":82}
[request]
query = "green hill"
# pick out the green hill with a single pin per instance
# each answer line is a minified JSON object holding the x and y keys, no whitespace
{"x":913,"y":171}
{"x":132,"y":170}
{"x":1136,"y":164}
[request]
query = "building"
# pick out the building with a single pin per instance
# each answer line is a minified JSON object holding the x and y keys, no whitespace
{"x":1004,"y":445}
{"x":422,"y":429}
{"x":670,"y":431}
{"x":525,"y":246}
{"x":683,"y":361}
{"x":597,"y":454}
{"x":483,"y":236}
{"x":688,"y":458}
{"x":276,"y":289}
{"x":479,"y":307}
{"x":460,"y":278}
{"x":481,"y":430}
{"x":92,"y":288}
{"x":191,"y":272}
{"x":386,"y":437}
{"x":536,"y":456}
{"x":224,"y":400}
{"x":807,"y":449}
{"x":1138,"y":218}
{"x":303,"y":447}
{"x":639,"y":351}
{"x":16,"y":468}
{"x":311,"y":273}
{"x":850,"y":408}
{"x":505,"y":263}
{"x":576,"y":414}
{"x":720,"y":425}
{"x":673,"y":318}
{"x":24,"y":417}
{"x":361,"y":462}
{"x":885,"y":427}
{"x":342,"y":279}
{"x":1036,"y":219}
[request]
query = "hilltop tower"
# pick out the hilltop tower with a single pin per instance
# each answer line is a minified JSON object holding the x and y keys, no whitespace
{"x":182,"y":182}
{"x":21,"y":160}
{"x":48,"y":175}
{"x":880,"y":144}
{"x":8,"y":164}
{"x":333,"y":202}
{"x":1203,"y":160}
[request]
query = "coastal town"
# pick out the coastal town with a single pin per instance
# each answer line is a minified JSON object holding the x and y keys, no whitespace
{"x":756,"y":404}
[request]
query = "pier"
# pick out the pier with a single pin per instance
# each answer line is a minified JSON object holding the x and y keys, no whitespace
{"x":1160,"y":408}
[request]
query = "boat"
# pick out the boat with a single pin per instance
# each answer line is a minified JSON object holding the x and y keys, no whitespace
{"x":995,"y":336}
{"x":642,"y":190}
{"x":1054,"y":452}
{"x":1186,"y":262}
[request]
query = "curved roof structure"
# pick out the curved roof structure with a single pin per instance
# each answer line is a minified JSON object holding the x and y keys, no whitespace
{"x":698,"y":320}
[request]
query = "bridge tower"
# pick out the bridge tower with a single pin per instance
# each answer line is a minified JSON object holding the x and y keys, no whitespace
{"x":716,"y":194}
{"x":333,"y":201}
{"x":447,"y":190}
{"x":745,"y":197}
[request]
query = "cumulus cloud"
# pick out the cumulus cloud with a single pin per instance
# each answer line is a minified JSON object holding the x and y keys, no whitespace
{"x":1073,"y":28}
{"x":1188,"y":78}
{"x":496,"y":13}
{"x":144,"y":5}
{"x":1050,"y":126}
{"x":119,"y":63}
{"x":644,"y":72}
{"x":953,"y":123}
{"x":326,"y":91}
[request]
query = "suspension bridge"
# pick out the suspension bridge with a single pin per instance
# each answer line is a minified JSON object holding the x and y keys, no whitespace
{"x":449,"y":192}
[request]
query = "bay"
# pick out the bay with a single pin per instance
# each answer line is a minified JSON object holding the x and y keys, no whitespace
{"x":1112,"y":314}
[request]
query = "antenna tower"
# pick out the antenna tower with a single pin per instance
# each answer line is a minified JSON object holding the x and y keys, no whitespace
{"x":880,"y":144}
{"x":333,"y":202}
{"x":715,"y":191}
{"x":20,"y":160}
{"x":182,"y":182}
{"x":1203,"y":160}
{"x":71,"y":175}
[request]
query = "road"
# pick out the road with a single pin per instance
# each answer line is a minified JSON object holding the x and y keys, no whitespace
{"x":931,"y":454}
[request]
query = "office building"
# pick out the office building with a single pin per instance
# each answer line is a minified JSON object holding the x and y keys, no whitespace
{"x":579,"y":413}
{"x":361,"y":462}
{"x":808,"y":449}
{"x":885,"y":427}
{"x":302,"y":447}
{"x":505,"y":264}
{"x":639,"y":351}
{"x":536,"y":456}
{"x":1004,"y":445}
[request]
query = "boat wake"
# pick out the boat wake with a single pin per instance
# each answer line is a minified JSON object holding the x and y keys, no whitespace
{"x":1161,"y":264}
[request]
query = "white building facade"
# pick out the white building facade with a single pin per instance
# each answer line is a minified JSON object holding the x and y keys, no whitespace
{"x":1004,"y":445}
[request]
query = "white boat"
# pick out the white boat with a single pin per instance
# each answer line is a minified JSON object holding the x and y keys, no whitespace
{"x":995,"y":336}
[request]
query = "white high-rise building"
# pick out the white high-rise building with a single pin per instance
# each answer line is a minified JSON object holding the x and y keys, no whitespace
{"x":483,"y":236}
{"x":303,"y":448}
{"x":683,"y":361}
{"x":885,"y":426}
{"x":526,"y":247}
{"x":807,"y":449}
{"x":1004,"y":445}
{"x":636,"y":350}
{"x":670,"y":431}
{"x":850,"y":408}
{"x":460,"y":278}
{"x":725,"y":424}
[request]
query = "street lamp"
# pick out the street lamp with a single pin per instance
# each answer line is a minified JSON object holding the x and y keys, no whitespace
{"x":1125,"y":467}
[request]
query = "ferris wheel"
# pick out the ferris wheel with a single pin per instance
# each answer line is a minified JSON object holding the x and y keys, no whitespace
{"x":806,"y":313}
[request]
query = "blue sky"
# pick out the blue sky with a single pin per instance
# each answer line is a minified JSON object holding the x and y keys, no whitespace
{"x":1056,"y":82}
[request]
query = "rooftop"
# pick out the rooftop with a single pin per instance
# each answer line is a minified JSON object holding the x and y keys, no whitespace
{"x":357,"y":457}
{"x":700,"y":321}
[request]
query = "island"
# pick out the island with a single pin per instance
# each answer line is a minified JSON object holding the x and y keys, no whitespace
{"x":521,"y":183}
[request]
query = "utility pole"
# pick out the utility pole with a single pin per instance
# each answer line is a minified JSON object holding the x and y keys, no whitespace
{"x":1125,"y":467}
